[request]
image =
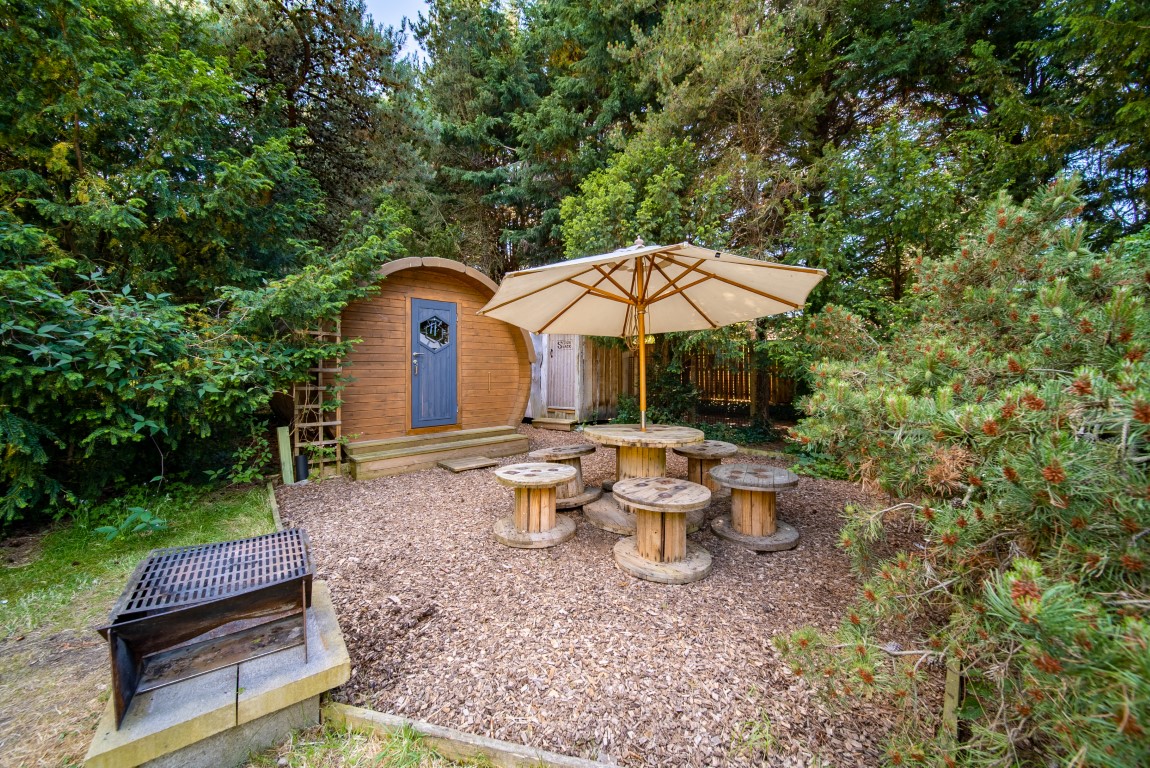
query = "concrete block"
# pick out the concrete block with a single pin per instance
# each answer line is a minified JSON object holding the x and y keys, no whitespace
{"x":234,"y":746}
{"x":165,"y":720}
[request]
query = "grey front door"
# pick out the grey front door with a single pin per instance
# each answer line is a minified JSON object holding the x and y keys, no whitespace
{"x":434,"y":364}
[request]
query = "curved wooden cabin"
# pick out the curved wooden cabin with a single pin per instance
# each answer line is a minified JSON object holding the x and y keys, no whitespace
{"x":431,"y":380}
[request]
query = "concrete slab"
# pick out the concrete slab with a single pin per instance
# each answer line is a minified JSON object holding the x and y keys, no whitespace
{"x":236,"y":745}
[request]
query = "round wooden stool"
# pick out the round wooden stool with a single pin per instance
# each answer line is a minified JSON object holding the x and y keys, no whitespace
{"x":752,"y":521}
{"x":573,"y":494}
{"x":703,"y":457}
{"x":534,"y":524}
{"x":659,"y":550}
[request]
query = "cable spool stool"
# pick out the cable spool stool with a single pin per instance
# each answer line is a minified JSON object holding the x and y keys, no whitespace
{"x":573,"y":494}
{"x":659,"y":550}
{"x":752,"y":522}
{"x":703,"y":457}
{"x":533,"y":524}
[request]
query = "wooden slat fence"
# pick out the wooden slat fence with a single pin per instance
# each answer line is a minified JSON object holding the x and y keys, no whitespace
{"x":604,"y":382}
{"x":726,"y":385}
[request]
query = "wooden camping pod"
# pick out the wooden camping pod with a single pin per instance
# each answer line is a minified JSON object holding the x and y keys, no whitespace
{"x":476,"y":371}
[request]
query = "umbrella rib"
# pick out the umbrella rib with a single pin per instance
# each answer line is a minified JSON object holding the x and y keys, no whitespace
{"x":686,"y":287}
{"x":537,"y":290}
{"x":681,"y":291}
{"x":671,"y":283}
{"x":607,"y":275}
{"x":551,"y":322}
{"x":586,"y":290}
{"x":745,"y":287}
{"x":647,"y":279}
{"x":595,"y":291}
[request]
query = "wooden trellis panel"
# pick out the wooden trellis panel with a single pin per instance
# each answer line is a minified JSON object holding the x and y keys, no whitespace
{"x":317,"y":427}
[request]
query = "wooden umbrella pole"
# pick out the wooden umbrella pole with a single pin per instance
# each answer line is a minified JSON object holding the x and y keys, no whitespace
{"x":641,"y":311}
{"x":642,"y":373}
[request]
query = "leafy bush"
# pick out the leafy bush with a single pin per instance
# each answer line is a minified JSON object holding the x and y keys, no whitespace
{"x":812,"y":462}
{"x":670,"y":399}
{"x":751,"y":434}
{"x":250,"y":462}
{"x":1016,"y":412}
{"x":153,"y":250}
{"x":138,"y":521}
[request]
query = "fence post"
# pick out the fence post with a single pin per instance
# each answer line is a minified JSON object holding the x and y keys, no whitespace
{"x":285,"y":454}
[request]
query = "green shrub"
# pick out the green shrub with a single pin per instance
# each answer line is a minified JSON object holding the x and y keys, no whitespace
{"x":154,"y":253}
{"x":1016,"y":412}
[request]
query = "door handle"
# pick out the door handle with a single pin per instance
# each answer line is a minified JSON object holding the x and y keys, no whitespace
{"x":415,"y":362}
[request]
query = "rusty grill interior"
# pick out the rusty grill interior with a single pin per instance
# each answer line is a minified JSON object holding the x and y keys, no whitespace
{"x":187,"y":611}
{"x":170,"y":578}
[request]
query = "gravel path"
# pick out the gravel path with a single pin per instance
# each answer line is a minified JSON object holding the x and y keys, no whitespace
{"x":558,"y":648}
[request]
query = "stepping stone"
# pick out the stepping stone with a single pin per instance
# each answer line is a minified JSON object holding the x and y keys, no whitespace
{"x":468,"y":462}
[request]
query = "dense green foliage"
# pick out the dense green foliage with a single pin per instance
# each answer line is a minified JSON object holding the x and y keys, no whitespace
{"x":329,"y":72}
{"x":850,"y":135}
{"x":1017,"y":409}
{"x":155,"y":249}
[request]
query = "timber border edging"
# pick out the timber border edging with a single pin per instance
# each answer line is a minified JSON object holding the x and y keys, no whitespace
{"x":453,"y":744}
{"x":274,"y":504}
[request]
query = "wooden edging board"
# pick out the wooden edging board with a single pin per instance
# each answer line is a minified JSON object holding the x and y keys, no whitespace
{"x":453,"y":744}
{"x":275,"y":508}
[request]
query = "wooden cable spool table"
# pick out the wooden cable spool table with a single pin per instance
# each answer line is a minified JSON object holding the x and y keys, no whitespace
{"x":574,"y":493}
{"x":534,"y":523}
{"x":753,"y":522}
{"x":659,"y":550}
{"x":638,"y":454}
{"x":703,"y":457}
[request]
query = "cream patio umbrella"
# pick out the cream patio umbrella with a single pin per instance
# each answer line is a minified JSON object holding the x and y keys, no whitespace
{"x":645,"y":289}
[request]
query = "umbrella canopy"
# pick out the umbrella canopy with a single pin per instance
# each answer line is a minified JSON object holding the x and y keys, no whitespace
{"x":645,"y":289}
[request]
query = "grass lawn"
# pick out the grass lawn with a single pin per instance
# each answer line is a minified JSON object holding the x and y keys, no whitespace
{"x":58,"y":584}
{"x":69,"y":576}
{"x":332,"y":747}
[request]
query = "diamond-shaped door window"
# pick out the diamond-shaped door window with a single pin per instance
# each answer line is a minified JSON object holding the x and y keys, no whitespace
{"x":434,"y":333}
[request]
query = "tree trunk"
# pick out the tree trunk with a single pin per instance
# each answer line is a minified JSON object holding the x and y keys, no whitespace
{"x":760,"y":382}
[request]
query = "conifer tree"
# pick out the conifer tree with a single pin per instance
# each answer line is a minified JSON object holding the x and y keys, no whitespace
{"x":1015,"y":417}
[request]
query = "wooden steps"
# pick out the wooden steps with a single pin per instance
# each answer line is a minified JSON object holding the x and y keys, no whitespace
{"x":559,"y":425}
{"x":379,"y":458}
{"x":362,"y":447}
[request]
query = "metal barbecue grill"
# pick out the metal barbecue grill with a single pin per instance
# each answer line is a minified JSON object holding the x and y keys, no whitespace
{"x":187,"y":611}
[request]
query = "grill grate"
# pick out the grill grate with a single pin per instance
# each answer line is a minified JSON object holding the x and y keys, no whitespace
{"x":179,"y":576}
{"x":187,"y":611}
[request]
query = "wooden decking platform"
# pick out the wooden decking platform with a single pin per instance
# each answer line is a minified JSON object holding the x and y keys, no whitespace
{"x":394,"y":456}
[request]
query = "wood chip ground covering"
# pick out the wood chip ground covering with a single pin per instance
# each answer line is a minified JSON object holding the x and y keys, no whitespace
{"x":561,"y":650}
